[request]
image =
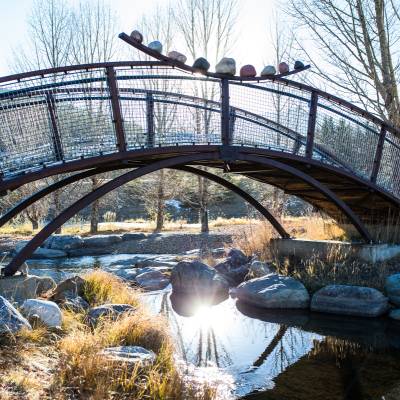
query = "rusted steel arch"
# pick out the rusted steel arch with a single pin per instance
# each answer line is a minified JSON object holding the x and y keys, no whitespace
{"x":347,"y":211}
{"x":249,"y":199}
{"x":22,"y":205}
{"x":25,"y":203}
{"x":86,"y":200}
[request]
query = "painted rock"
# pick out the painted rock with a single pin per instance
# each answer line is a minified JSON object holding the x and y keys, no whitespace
{"x":268,"y":70}
{"x":136,"y":35}
{"x":201,"y":64}
{"x":175,"y":55}
{"x":283,"y":68}
{"x":298,"y":65}
{"x":156,"y":46}
{"x":226,"y":66}
{"x":248,"y":71}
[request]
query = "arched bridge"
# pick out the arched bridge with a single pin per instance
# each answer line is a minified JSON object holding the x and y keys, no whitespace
{"x":148,"y":115}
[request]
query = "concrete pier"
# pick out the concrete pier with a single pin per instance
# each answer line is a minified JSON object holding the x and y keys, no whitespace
{"x":328,"y":250}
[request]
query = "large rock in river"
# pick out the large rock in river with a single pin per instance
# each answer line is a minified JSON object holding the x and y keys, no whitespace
{"x":102,"y":240}
{"x":63,"y":242}
{"x":350,"y":300}
{"x":40,"y":252}
{"x":11,"y":320}
{"x":197,"y":278}
{"x":152,"y":280}
{"x":273,"y":291}
{"x":48,"y":312}
{"x":392,"y":288}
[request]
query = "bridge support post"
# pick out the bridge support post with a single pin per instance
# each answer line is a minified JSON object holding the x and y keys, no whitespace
{"x":116,"y":108}
{"x":312,"y":118}
{"x":58,"y":150}
{"x":150,"y":119}
{"x":225,"y":113}
{"x":378,"y":154}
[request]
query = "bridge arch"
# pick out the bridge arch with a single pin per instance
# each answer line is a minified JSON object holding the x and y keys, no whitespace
{"x":178,"y":163}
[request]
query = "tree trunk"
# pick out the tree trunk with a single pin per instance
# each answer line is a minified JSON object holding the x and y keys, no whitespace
{"x":203,"y":202}
{"x":204,"y":220}
{"x":160,"y":203}
{"x":35,"y":224}
{"x":94,"y":213}
{"x":57,"y":207}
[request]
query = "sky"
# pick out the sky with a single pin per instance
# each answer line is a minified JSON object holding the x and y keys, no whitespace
{"x":253,"y":27}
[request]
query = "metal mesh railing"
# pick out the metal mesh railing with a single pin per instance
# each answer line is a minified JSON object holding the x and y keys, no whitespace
{"x":68,"y":115}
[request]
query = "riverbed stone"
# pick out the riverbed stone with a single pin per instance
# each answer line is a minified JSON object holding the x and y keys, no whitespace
{"x":392,"y":288}
{"x":47,"y":311}
{"x":283,"y":68}
{"x":298,"y":64}
{"x":237,"y":258}
{"x":68,"y":288}
{"x":201,"y":64}
{"x":233,"y":274}
{"x":40,"y":252}
{"x":133,"y":236}
{"x":11,"y":320}
{"x":197,"y":278}
{"x":152,"y":280}
{"x":268,"y":70}
{"x":226,"y":66}
{"x":102,"y":240}
{"x":175,"y":55}
{"x":395,"y":314}
{"x":130,"y":354}
{"x":248,"y":71}
{"x":156,"y":46}
{"x":112,"y":311}
{"x":273,"y":291}
{"x":350,"y":300}
{"x":137,"y":36}
{"x":64,"y":242}
{"x":258,"y":269}
{"x":19,"y":288}
{"x":76,"y":304}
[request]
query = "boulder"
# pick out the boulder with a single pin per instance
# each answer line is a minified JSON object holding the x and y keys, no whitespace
{"x":395,"y":314}
{"x":64,"y":242}
{"x":152,"y":280}
{"x":20,"y":288}
{"x":248,"y":71}
{"x":258,"y":269}
{"x":47,"y":311}
{"x":76,"y":304}
{"x":112,"y":311}
{"x":298,"y":65}
{"x":129,"y":354}
{"x":392,"y":288}
{"x":233,"y":274}
{"x":175,"y":55}
{"x":133,"y":236}
{"x":349,"y":300}
{"x":237,"y":258}
{"x":201,"y":64}
{"x":68,"y":288}
{"x":40,"y":252}
{"x":88,"y":251}
{"x":226,"y":66}
{"x":283,"y":68}
{"x":269,"y":70}
{"x":137,"y":36}
{"x":156,"y":46}
{"x":11,"y":320}
{"x":197,"y":278}
{"x":273,"y":291}
{"x":102,"y":240}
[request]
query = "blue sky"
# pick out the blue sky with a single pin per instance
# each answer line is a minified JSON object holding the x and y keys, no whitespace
{"x":253,"y":26}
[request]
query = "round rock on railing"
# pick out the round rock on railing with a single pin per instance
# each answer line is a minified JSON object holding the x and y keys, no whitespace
{"x":175,"y":55}
{"x":269,"y":70}
{"x":283,"y":68}
{"x":298,"y":65}
{"x":136,"y":35}
{"x":201,"y":64}
{"x":156,"y":46}
{"x":226,"y":66}
{"x":248,"y":71}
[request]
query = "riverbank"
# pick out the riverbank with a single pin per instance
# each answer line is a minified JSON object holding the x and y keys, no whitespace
{"x":93,"y":358}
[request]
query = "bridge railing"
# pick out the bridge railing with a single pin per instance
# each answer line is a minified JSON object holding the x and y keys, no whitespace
{"x":65,"y":114}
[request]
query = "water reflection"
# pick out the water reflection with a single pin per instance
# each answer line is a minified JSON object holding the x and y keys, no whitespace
{"x":285,"y":354}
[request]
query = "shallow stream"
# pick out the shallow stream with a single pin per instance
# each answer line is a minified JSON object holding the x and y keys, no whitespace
{"x":257,"y":354}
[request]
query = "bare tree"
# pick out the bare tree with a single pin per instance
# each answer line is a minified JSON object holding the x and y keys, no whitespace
{"x":358,"y":40}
